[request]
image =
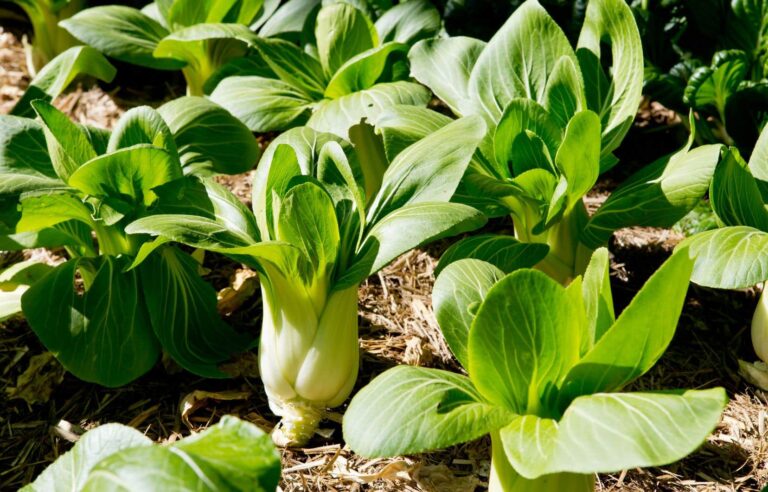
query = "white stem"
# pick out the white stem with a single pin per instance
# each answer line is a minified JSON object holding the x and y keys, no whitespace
{"x":760,"y":327}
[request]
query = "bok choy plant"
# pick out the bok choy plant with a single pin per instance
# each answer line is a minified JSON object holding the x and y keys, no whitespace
{"x":232,"y":455}
{"x":195,"y":36}
{"x":352,"y":67}
{"x":48,"y":39}
{"x":734,"y":256}
{"x":546,"y":365}
{"x":108,"y":311}
{"x":329,"y":216}
{"x":555,"y":116}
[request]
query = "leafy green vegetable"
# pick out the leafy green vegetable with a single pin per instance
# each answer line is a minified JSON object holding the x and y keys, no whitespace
{"x":232,"y":455}
{"x":734,"y":256}
{"x":14,"y":281}
{"x":108,"y":311}
{"x":197,"y":37}
{"x":555,"y":115}
{"x":48,"y":39}
{"x":352,"y":68}
{"x":328,"y":216}
{"x":544,"y":379}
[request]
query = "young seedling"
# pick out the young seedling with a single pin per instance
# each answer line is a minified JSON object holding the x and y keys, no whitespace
{"x":328,"y":217}
{"x":546,"y":365}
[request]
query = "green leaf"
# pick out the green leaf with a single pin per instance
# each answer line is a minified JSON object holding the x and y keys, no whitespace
{"x":400,"y":126}
{"x":102,"y":336}
{"x":460,"y":287}
{"x":605,"y":433}
{"x":410,"y":410}
{"x":504,"y":252}
{"x":293,"y":66}
{"x":71,"y":470}
{"x":735,"y":195}
{"x":192,"y":230}
{"x":578,"y":157}
{"x":512,"y":66}
{"x":657,"y":196}
{"x":430,"y":169}
{"x":57,"y":74}
{"x":520,"y":118}
{"x":338,"y":115}
{"x":409,"y":22}
{"x":638,"y":338}
{"x":758,"y":161}
{"x":184,"y":13}
{"x":14,"y":281}
{"x":290,"y":19}
{"x":142,"y":125}
{"x":263,"y":104}
{"x":362,"y":71}
{"x":564,"y":94}
{"x":205,"y":47}
{"x":524,"y":340}
{"x":597,"y":296}
{"x":182,"y":309}
{"x":712,"y":86}
{"x":445,"y":65}
{"x":24,"y":161}
{"x":41,"y":211}
{"x":127,"y":176}
{"x":68,"y":145}
{"x":308,"y":221}
{"x":729,"y":258}
{"x":208,"y":137}
{"x":342,"y":31}
{"x":232,"y":455}
{"x":406,"y":228}
{"x":617,"y":98}
{"x":123,"y":33}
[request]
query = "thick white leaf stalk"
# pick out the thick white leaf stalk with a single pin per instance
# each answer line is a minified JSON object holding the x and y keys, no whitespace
{"x":760,"y":328}
{"x":504,"y":478}
{"x":308,"y":356}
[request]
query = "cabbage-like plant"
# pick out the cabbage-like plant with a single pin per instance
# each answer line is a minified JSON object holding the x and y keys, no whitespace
{"x":62,"y":185}
{"x":48,"y":39}
{"x":195,"y":36}
{"x":555,"y":116}
{"x":734,"y":256}
{"x":329,"y":216}
{"x":546,"y":367}
{"x":351,"y":68}
{"x":231,"y":455}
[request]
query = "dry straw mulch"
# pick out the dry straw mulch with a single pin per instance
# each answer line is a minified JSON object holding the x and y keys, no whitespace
{"x":397,"y":327}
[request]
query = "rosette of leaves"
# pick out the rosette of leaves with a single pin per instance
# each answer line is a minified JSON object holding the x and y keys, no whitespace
{"x":554,"y":115}
{"x":350,"y":69}
{"x":546,"y":368}
{"x":232,"y":456}
{"x":735,"y":256}
{"x":109,"y":311}
{"x":48,"y":39}
{"x":195,"y":36}
{"x":328,"y":216}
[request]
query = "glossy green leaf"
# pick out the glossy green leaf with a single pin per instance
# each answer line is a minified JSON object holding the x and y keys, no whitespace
{"x":41,"y":211}
{"x":609,"y":366}
{"x":729,"y":258}
{"x":445,"y":65}
{"x":142,"y":125}
{"x":182,"y":309}
{"x":122,"y":33}
{"x":504,"y":252}
{"x":413,"y":409}
{"x":103,"y":335}
{"x":520,"y":118}
{"x":342,"y":31}
{"x":68,"y":145}
{"x":523,"y":340}
{"x":578,"y":157}
{"x":363,"y":70}
{"x":57,"y":74}
{"x":657,"y":196}
{"x":14,"y":281}
{"x":512,"y":66}
{"x":262,"y":104}
{"x":71,"y":470}
{"x":712,"y":86}
{"x":564,"y":94}
{"x":458,"y":289}
{"x":606,"y":433}
{"x":293,"y":66}
{"x":24,"y":161}
{"x":409,"y":22}
{"x":209,"y":138}
{"x":597,"y":296}
{"x":735,"y":194}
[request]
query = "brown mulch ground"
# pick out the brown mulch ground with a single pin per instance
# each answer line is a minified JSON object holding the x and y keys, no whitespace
{"x":397,"y":326}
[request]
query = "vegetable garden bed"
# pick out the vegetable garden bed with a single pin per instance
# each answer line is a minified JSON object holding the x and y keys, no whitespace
{"x":45,"y":408}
